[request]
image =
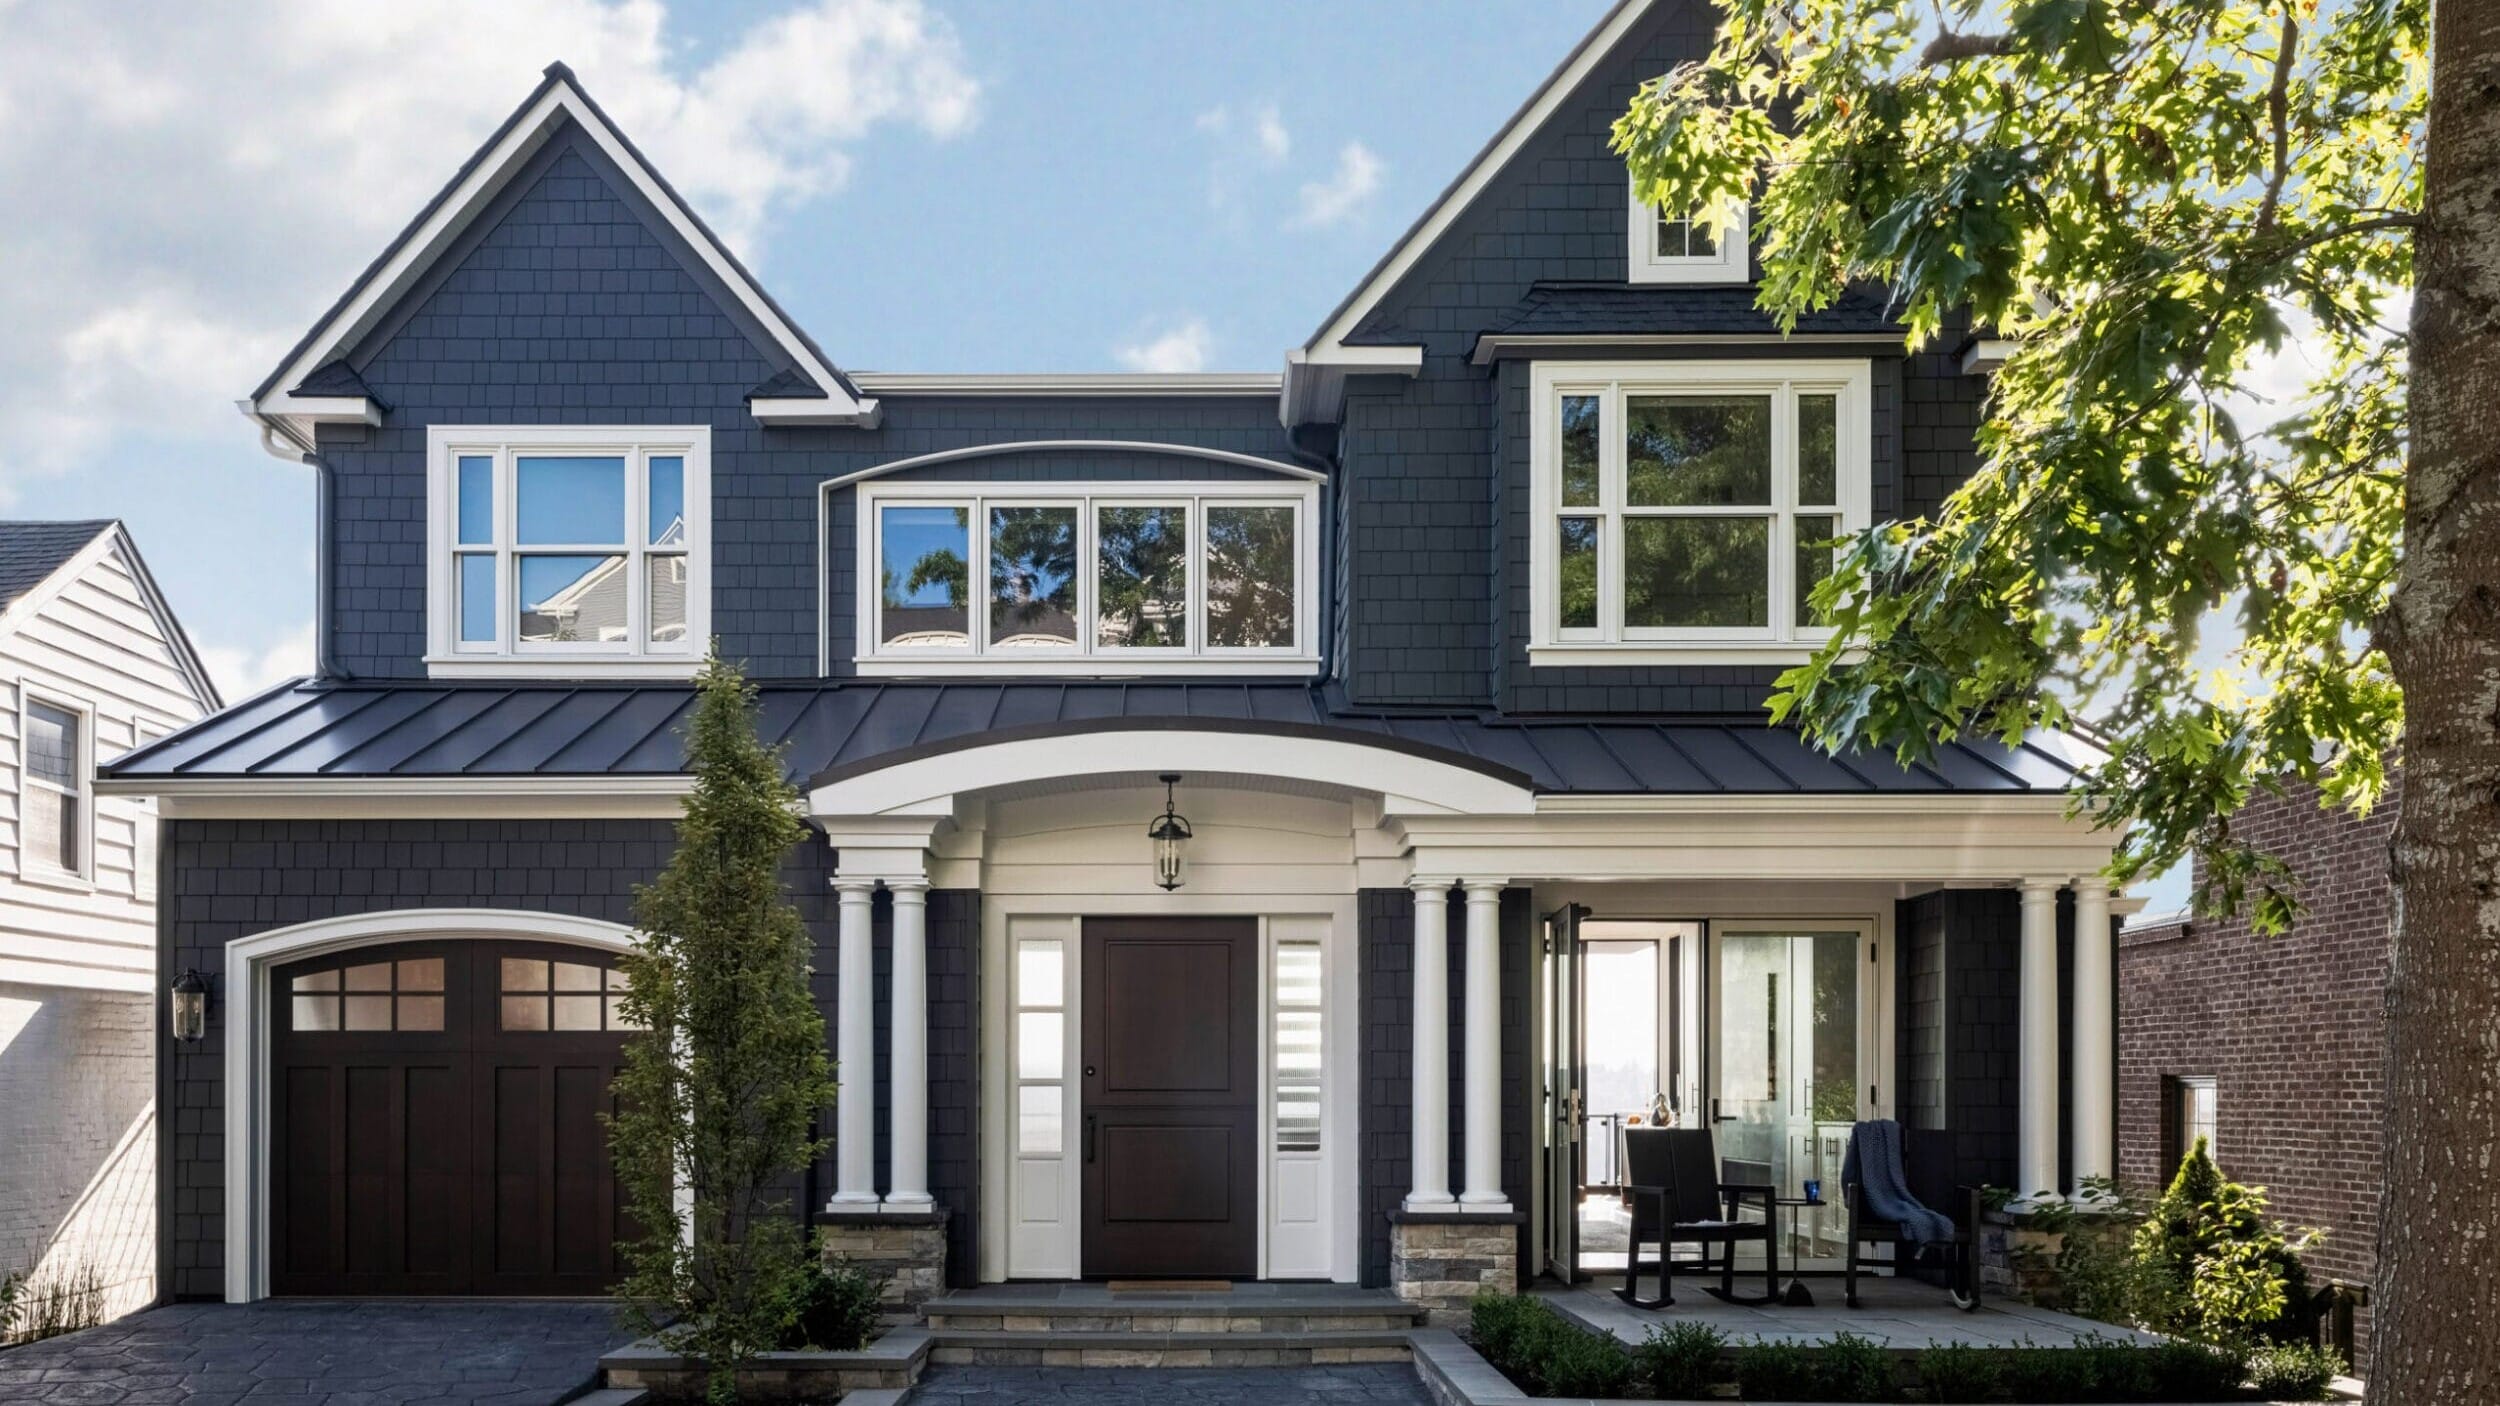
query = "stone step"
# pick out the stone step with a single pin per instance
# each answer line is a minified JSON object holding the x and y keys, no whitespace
{"x":993,"y":1312}
{"x":999,"y":1348}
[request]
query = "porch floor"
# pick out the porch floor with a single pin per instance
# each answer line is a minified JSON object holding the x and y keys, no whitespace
{"x":1899,"y":1313}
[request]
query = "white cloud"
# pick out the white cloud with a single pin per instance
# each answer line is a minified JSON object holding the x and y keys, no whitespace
{"x":1269,"y":126}
{"x":1245,"y":146}
{"x":1341,"y":196}
{"x":1183,"y":347}
{"x":241,"y":670}
{"x":180,"y":198}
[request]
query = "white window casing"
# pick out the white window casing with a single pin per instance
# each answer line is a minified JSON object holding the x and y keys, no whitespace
{"x":68,"y":860}
{"x":1606,"y":637}
{"x":652,"y":572}
{"x":965,"y":642}
{"x":1663,"y":250}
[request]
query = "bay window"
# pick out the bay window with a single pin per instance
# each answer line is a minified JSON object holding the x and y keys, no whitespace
{"x":568,"y":550}
{"x":1686,"y":509}
{"x":1086,"y":578}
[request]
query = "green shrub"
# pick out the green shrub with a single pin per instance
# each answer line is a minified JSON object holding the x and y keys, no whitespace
{"x":1682,"y":1360}
{"x":839,"y":1309}
{"x":2185,"y":1371}
{"x":2211,"y":1267}
{"x":1546,"y":1354}
{"x":2294,"y":1371}
{"x":1955,"y":1372}
{"x":2053,"y":1374}
{"x":1777,"y":1372}
{"x":1857,"y":1369}
{"x":1500,"y":1325}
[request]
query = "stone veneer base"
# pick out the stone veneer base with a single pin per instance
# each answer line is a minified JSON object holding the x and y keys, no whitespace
{"x":907,"y":1251}
{"x":891,"y":1363}
{"x":1441,"y":1260}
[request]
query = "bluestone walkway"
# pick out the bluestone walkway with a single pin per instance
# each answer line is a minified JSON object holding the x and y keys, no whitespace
{"x":1381,"y":1384}
{"x":313,"y":1353}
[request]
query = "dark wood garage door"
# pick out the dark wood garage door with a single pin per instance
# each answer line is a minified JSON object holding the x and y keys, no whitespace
{"x":436,"y":1124}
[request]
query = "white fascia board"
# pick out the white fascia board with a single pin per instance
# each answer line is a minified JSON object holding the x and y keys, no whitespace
{"x":1327,"y":344}
{"x":1080,"y":383}
{"x":809,"y":410}
{"x":1314,"y":385}
{"x":382,"y":290}
{"x":1493,"y":347}
{"x":321,"y":409}
{"x":407,"y":797}
{"x":1985,"y":354}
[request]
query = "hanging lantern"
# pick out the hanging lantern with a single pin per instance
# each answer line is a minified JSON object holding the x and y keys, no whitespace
{"x":1169,"y":831}
{"x":190,"y":1006}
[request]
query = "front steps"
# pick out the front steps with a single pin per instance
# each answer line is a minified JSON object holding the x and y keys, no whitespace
{"x":1088,"y":1325}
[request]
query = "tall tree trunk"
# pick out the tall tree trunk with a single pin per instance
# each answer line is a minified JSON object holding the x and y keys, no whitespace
{"x":2437,"y":1320}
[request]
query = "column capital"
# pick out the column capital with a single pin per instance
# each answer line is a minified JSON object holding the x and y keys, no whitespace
{"x":2092,"y":883}
{"x":908,"y":890}
{"x":1485,"y":889}
{"x":2037,"y":888}
{"x":1432,"y":883}
{"x":849,"y":888}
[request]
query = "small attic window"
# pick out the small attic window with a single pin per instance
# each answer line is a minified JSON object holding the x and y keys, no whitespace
{"x":1680,"y":249}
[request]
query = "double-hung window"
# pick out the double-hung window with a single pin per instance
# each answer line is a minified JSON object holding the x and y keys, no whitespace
{"x":1086,"y":578}
{"x":1685,"y":510}
{"x":55,"y":812}
{"x":568,"y":550}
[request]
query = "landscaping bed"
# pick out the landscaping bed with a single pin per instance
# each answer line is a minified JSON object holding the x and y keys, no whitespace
{"x":1543,"y":1352}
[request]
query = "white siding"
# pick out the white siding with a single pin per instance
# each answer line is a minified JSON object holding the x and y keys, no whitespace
{"x":95,"y":644}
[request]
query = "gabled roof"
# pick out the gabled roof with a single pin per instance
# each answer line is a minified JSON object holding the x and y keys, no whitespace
{"x":39,"y":559}
{"x":432,"y":734}
{"x":312,"y":384}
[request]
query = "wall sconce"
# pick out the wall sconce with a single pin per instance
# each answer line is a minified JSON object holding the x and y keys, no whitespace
{"x":1169,"y":831}
{"x":190,"y":1006}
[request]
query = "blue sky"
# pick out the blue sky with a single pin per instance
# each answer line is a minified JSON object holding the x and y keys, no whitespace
{"x":948,"y":185}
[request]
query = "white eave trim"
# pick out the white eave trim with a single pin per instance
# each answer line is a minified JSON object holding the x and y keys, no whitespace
{"x":1494,"y":346}
{"x":1923,"y":803}
{"x":1076,"y":446}
{"x":1314,"y":384}
{"x":1110,"y":383}
{"x":1326,"y":346}
{"x":815,"y":410}
{"x":1985,"y":354}
{"x":380,"y":291}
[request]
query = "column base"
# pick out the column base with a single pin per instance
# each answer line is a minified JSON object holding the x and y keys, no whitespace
{"x":1441,"y":1261}
{"x":1483,"y":1204}
{"x":909,"y":1203}
{"x":847,"y":1203}
{"x":1429,"y":1205}
{"x":904,"y":1250}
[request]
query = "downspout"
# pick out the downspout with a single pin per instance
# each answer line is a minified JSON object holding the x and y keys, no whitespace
{"x":278,"y":445}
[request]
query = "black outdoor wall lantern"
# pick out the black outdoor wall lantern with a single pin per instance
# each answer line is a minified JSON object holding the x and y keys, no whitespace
{"x":190,"y":1006}
{"x":1169,"y":831}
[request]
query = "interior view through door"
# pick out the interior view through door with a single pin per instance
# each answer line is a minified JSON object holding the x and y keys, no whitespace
{"x":1792,"y":1008}
{"x":1623,"y":1028}
{"x":1170,"y":1043}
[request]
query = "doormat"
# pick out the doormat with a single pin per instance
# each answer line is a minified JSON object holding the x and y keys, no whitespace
{"x":1171,"y":1286}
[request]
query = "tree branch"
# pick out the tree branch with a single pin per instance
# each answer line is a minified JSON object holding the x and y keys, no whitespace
{"x":1949,"y":47}
{"x":2324,"y":236}
{"x":2278,"y":106}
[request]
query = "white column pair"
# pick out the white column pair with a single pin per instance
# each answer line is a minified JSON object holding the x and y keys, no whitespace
{"x":855,"y":1052}
{"x":1431,"y":1153}
{"x":2092,"y":1134}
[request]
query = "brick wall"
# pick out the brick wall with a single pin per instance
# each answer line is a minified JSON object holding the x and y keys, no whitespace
{"x":2290,"y":1028}
{"x":78,"y":1154}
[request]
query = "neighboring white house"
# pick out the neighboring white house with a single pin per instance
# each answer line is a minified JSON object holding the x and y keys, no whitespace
{"x":92,"y":664}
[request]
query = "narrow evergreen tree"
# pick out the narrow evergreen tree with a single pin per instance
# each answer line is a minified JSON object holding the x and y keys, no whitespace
{"x":716,"y":1097}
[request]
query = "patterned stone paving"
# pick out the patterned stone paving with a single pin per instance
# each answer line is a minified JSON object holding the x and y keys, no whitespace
{"x":311,"y":1353}
{"x":1384,"y":1385}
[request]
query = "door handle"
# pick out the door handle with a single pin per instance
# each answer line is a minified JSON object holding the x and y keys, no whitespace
{"x":1089,"y":1137}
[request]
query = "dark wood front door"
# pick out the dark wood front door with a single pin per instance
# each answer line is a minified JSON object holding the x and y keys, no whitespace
{"x":436,"y":1124}
{"x":1171,"y":1137}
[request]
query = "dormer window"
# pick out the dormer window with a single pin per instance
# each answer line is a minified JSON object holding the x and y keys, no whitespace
{"x":1679,"y":248}
{"x":568,"y":551}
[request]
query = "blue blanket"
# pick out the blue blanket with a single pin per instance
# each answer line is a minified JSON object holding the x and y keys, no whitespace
{"x":1874,"y":1163}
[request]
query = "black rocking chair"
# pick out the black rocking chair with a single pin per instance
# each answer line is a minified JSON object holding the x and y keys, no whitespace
{"x":1678,"y":1199}
{"x":1925,"y":1160}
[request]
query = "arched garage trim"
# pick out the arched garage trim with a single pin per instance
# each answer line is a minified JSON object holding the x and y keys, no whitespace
{"x":1410,"y":779}
{"x":249,"y":961}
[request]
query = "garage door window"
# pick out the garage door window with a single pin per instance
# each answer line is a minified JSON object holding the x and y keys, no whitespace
{"x":404,"y":996}
{"x":538,"y":995}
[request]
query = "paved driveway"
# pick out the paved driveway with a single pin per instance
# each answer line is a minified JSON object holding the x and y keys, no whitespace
{"x":1382,"y":1384}
{"x":308,"y":1353}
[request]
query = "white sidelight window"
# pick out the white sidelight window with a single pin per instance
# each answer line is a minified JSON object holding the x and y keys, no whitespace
{"x":1042,"y":1236}
{"x":568,"y":550}
{"x":1086,"y":578}
{"x":1298,"y":1183}
{"x":55,"y":809}
{"x":1684,"y":510}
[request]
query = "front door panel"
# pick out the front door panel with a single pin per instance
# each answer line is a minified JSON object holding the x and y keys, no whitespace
{"x":1170,"y":1049}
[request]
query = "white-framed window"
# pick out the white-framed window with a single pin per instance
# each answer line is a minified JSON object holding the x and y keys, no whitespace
{"x":1041,"y":1047}
{"x":568,"y":550}
{"x":1294,"y":1080}
{"x":1087,"y":578}
{"x":55,"y":802}
{"x":1683,"y":508}
{"x":1668,"y":248}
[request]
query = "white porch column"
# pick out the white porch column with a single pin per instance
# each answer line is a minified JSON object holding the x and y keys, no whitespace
{"x":2035,"y":1121}
{"x":1429,"y":1188}
{"x":855,"y":1054}
{"x":1484,"y":1048}
{"x":908,"y":1187}
{"x":2096,"y":1055}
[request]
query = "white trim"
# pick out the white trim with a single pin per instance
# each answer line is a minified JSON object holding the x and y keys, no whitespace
{"x":1075,"y":446}
{"x":810,"y":410}
{"x":1085,"y":655}
{"x":1986,"y":354}
{"x":82,"y":798}
{"x":1407,"y":783}
{"x":2037,"y":803}
{"x":1327,"y":345}
{"x":1314,"y":386}
{"x":1613,"y":385}
{"x":1643,"y":264}
{"x":1495,"y":346}
{"x":1073,"y":383}
{"x":111,"y":538}
{"x":379,"y":291}
{"x":447,"y":656}
{"x":1092,"y":666}
{"x":246,"y":1033}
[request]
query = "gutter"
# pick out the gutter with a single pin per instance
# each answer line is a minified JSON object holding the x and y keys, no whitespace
{"x":326,"y":667}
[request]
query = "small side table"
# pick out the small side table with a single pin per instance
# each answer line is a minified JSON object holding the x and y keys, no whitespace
{"x":1796,"y":1295}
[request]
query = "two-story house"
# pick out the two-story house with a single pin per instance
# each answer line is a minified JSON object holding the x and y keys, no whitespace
{"x":92,"y":664}
{"x":1449,"y":645}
